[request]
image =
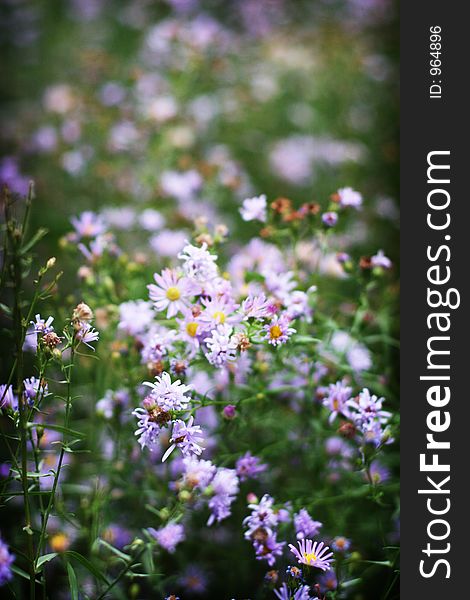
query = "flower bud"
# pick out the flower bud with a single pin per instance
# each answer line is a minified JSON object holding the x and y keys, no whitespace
{"x":184,"y":495}
{"x":229,"y":412}
{"x":82,"y":312}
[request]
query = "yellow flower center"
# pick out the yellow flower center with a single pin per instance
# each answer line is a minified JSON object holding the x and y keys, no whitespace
{"x":191,"y":328}
{"x":60,"y":542}
{"x":219,"y":316}
{"x":173,"y":293}
{"x":310,"y":557}
{"x":336,"y":403}
{"x":275,"y":332}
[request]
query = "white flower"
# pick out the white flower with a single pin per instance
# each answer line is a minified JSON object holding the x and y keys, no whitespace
{"x":254,"y":209}
{"x":349,"y":197}
{"x":199,"y":263}
{"x":222,"y":345}
{"x":171,"y":292}
{"x":135,"y":317}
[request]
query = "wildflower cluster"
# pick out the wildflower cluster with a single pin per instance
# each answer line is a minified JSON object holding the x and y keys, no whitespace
{"x":205,"y":403}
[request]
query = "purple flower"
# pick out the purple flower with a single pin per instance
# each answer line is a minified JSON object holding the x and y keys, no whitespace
{"x":329,"y":218}
{"x":305,"y":526}
{"x":86,"y":334}
{"x":186,"y":437}
{"x":217,"y":311}
{"x":198,"y":473}
{"x":117,"y":536}
{"x":97,"y":247}
{"x":229,"y":411}
{"x":341,"y":544}
{"x":33,"y":387}
{"x":222,"y":346}
{"x":328,"y":581}
{"x":249,"y":467}
{"x":313,"y":554}
{"x":256,"y":307}
{"x":6,"y":560}
{"x":338,"y":447}
{"x":135,"y":317}
{"x":301,"y":593}
{"x":88,"y":225}
{"x":198,"y":263}
{"x":181,"y":185}
{"x":278,"y":330}
{"x":167,"y":242}
{"x":367,"y":408}
{"x":157,"y":344}
{"x":11,"y":176}
{"x":7,"y":397}
{"x":169,"y":395}
{"x":42,"y":326}
{"x":380,"y":260}
{"x":262,"y":517}
{"x":268,"y":548}
{"x":225,"y":488}
{"x":193,"y":580}
{"x":149,"y":425}
{"x":337,"y":399}
{"x":169,"y":536}
{"x":379,"y":473}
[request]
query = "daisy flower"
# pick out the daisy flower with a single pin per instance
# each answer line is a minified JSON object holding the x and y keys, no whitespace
{"x":367,"y":408}
{"x":278,"y":330}
{"x":255,"y":307}
{"x":218,"y":311}
{"x":337,"y":399}
{"x":302,"y":593}
{"x":167,"y":394}
{"x":222,"y":345}
{"x":87,"y":334}
{"x":88,"y":225}
{"x":186,"y":437}
{"x":313,"y":554}
{"x":171,"y":293}
{"x":42,"y":325}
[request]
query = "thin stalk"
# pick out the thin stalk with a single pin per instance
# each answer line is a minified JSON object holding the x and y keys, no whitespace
{"x":68,"y":407}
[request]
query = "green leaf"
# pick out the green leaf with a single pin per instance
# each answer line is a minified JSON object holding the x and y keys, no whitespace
{"x":59,"y":428}
{"x":122,"y":555}
{"x":72,"y":582}
{"x":305,"y":339}
{"x":20,"y":572}
{"x":44,"y":559}
{"x":34,"y":240}
{"x":88,"y":565}
{"x":350,"y":583}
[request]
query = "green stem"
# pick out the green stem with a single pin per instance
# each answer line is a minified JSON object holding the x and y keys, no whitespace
{"x":68,"y":407}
